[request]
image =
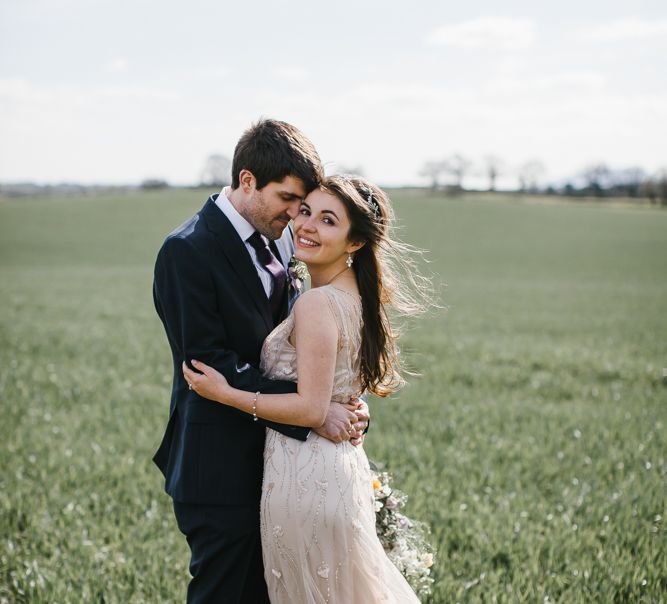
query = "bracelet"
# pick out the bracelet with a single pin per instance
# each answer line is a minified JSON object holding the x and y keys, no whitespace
{"x":254,"y":407}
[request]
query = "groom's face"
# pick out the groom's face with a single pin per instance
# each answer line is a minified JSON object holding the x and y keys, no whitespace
{"x":273,"y":206}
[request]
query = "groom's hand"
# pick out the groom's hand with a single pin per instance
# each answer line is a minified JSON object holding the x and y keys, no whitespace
{"x":339,"y":423}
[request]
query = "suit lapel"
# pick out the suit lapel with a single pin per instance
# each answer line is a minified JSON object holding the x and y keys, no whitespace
{"x":237,"y":255}
{"x":283,"y":249}
{"x":284,"y":246}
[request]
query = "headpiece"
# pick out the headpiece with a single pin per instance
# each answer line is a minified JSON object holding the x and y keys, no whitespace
{"x":375,"y":206}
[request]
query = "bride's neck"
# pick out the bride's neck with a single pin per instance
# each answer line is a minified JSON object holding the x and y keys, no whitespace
{"x":320,"y":276}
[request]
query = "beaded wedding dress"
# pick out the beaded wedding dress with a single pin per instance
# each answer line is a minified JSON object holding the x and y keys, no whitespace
{"x":317,"y":513}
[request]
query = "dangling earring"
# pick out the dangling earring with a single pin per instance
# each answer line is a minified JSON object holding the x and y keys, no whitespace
{"x":349,"y":261}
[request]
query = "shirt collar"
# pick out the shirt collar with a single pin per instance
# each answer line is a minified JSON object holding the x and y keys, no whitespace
{"x":240,"y":224}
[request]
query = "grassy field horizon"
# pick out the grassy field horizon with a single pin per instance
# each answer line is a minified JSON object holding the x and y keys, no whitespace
{"x":533,"y":440}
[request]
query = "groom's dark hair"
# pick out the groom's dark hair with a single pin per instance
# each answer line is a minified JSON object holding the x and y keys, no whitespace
{"x":272,"y":150}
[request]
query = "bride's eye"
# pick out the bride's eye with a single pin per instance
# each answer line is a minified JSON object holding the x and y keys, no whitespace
{"x":304,"y":211}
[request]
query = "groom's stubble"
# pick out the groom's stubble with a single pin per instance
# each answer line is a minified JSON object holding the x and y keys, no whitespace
{"x":265,"y":219}
{"x":270,"y":209}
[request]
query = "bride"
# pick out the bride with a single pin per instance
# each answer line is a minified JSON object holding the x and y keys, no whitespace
{"x":317,"y":511}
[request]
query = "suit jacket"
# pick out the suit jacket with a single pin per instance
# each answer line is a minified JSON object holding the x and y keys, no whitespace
{"x":214,"y":309}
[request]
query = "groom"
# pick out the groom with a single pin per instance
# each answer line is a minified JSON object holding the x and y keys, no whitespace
{"x":220,"y":287}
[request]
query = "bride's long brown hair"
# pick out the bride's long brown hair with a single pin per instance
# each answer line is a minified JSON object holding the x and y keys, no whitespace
{"x":387,"y":277}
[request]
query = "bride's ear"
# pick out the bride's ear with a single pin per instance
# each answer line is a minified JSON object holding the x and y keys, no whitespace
{"x":355,"y":246}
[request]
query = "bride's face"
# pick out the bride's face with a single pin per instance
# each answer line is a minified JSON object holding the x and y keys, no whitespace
{"x":321,"y":229}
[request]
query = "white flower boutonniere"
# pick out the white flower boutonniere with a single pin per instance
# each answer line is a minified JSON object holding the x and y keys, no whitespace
{"x":297,"y":273}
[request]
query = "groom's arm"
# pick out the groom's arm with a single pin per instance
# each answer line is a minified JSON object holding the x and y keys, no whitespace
{"x":186,"y":301}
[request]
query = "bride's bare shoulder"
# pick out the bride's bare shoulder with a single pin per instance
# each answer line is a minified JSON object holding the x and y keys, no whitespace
{"x":314,"y":307}
{"x":312,"y":299}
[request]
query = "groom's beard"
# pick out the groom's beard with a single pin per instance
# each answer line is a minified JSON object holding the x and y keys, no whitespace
{"x":270,"y":226}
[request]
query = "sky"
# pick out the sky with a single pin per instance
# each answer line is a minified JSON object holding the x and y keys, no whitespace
{"x":116,"y":91}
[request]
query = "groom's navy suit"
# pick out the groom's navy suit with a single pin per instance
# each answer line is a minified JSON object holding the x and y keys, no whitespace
{"x":214,"y":309}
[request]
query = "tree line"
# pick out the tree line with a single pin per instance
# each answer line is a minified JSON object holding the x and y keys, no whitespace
{"x":597,"y":180}
{"x":448,"y":176}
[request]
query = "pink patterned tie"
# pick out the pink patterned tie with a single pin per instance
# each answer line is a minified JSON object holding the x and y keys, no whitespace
{"x":272,"y":266}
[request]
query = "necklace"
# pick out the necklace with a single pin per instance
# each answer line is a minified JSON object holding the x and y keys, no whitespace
{"x":330,"y":281}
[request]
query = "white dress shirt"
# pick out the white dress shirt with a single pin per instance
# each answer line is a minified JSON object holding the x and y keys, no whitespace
{"x":245,"y":230}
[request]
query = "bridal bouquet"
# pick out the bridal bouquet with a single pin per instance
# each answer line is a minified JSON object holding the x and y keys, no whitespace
{"x":404,"y":540}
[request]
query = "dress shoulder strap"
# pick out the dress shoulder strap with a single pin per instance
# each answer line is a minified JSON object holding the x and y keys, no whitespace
{"x":346,"y":309}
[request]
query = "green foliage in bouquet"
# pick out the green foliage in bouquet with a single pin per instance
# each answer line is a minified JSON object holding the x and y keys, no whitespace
{"x":405,"y":540}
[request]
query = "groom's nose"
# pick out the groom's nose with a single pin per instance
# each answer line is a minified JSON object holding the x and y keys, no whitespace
{"x":293,"y":209}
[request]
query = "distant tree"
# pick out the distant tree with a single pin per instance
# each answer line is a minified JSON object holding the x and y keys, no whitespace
{"x":628,"y":181}
{"x":154,"y":184}
{"x":434,"y":170}
{"x":649,"y":190}
{"x":598,"y":179}
{"x":530,"y":174}
{"x":493,"y":167}
{"x":655,"y":188}
{"x":457,"y":165}
{"x":217,"y":171}
{"x":661,"y":186}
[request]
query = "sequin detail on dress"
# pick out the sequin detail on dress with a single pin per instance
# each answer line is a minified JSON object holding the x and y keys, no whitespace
{"x":317,"y":512}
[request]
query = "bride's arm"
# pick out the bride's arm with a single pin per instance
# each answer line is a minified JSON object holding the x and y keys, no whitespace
{"x":316,"y":340}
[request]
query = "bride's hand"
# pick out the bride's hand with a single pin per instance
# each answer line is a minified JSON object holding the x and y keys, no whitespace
{"x":361,"y":425}
{"x":210,"y":383}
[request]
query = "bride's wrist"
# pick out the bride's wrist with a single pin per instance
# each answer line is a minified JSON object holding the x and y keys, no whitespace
{"x":253,"y":406}
{"x":224,"y":394}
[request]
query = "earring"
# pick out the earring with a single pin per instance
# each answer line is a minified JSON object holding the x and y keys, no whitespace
{"x":349,"y":261}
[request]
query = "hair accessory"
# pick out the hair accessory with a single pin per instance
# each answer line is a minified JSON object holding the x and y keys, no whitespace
{"x":349,"y":261}
{"x":374,"y":204}
{"x":353,"y":180}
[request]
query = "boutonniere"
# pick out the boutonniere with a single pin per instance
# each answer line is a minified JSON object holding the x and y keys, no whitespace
{"x":297,"y":273}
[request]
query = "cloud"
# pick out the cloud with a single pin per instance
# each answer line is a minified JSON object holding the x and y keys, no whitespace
{"x":18,"y":90}
{"x":291,"y":73}
{"x":116,"y":65}
{"x":491,"y":33}
{"x":219,"y":72}
{"x":573,"y":80}
{"x":628,"y":28}
{"x":567,"y":83}
{"x":136,"y":93}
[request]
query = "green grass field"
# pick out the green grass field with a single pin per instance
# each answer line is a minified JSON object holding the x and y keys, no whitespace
{"x":533,"y":442}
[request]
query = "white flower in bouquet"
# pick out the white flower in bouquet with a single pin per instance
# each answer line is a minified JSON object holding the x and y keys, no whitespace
{"x":404,"y":540}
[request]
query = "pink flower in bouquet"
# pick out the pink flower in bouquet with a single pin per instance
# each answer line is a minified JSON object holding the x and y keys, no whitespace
{"x":392,"y":503}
